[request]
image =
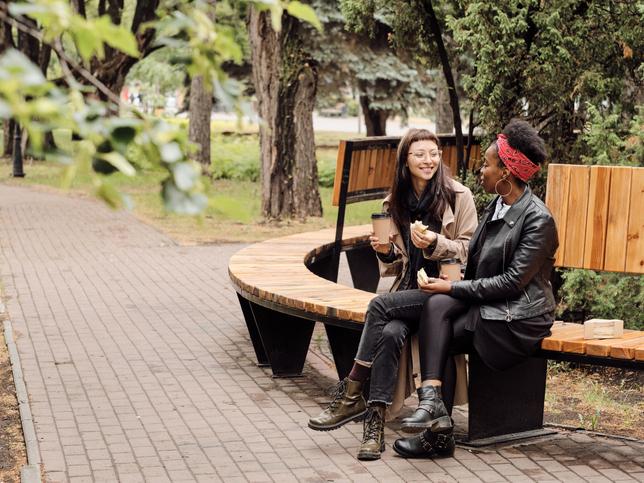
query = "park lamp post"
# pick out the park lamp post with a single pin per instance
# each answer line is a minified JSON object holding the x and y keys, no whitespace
{"x":17,"y":152}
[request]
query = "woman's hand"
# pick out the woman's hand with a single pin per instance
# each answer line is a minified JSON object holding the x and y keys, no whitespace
{"x":380,"y":247}
{"x":423,"y":240}
{"x":436,"y":285}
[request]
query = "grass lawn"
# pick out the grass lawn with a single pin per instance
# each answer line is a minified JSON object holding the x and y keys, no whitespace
{"x":233,"y":213}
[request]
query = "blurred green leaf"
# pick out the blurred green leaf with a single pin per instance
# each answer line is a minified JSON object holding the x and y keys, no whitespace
{"x":304,"y":12}
{"x":119,"y":162}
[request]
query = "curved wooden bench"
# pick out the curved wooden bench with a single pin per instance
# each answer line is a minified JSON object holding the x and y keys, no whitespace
{"x":283,"y":288}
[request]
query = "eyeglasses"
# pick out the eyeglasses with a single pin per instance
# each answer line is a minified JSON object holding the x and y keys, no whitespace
{"x":420,"y":155}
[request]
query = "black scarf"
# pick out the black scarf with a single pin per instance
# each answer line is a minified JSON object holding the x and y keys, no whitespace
{"x":417,"y":210}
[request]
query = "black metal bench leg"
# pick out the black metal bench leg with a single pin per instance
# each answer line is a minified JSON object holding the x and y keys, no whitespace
{"x":344,"y":345}
{"x":363,"y":265}
{"x":285,"y":339}
{"x":262,"y":359}
{"x":505,"y":403}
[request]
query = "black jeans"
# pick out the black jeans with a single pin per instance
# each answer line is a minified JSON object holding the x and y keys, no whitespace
{"x":390,"y":319}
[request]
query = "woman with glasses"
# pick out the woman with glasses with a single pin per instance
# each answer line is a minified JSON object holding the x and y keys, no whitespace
{"x":422,"y":191}
{"x":504,"y":307}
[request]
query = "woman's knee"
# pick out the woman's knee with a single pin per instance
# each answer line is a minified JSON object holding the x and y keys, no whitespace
{"x":378,"y":306}
{"x":394,"y":335}
{"x":437,"y":303}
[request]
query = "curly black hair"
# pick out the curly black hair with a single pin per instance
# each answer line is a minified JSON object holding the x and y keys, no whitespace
{"x":525,"y":138}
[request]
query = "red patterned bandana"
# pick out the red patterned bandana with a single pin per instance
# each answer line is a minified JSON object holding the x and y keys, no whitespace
{"x":517,"y":162}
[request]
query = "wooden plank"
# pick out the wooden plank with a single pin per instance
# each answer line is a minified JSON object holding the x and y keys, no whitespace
{"x":339,"y":164}
{"x":601,"y":348}
{"x":557,"y":201}
{"x":576,"y":223}
{"x":356,"y":158}
{"x":618,"y":215}
{"x":376,"y":174}
{"x":371,"y":170}
{"x":635,"y":236}
{"x":597,"y":219}
{"x":639,"y":353}
{"x":363,"y":170}
{"x":626,"y":349}
{"x":560,"y":334}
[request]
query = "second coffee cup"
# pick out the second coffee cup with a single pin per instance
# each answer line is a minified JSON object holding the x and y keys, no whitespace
{"x":452,"y":268}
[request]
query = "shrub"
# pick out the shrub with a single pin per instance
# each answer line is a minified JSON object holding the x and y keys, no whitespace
{"x":586,"y":294}
{"x":235,"y":157}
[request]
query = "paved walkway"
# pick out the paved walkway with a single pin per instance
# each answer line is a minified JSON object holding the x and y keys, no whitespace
{"x":139,"y":367}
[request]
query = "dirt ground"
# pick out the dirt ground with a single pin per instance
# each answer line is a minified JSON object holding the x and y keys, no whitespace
{"x":12,"y":446}
{"x":602,"y":399}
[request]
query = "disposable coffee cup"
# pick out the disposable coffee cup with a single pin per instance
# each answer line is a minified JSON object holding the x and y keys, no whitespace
{"x":381,"y":226}
{"x":452,"y":268}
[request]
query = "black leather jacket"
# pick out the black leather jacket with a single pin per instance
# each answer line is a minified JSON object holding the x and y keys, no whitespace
{"x":509,"y":267}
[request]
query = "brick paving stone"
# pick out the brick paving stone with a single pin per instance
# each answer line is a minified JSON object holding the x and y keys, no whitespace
{"x":139,"y":367}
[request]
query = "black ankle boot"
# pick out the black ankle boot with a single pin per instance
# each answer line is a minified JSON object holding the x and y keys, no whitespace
{"x":431,"y":413}
{"x":427,"y":445}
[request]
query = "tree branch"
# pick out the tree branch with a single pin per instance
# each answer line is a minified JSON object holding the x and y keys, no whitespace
{"x":66,"y":61}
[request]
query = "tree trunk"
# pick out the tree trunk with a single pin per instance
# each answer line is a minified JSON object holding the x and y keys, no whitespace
{"x":199,"y":124}
{"x":375,"y":120}
{"x":444,"y":117}
{"x":285,"y":79}
{"x":434,"y":27}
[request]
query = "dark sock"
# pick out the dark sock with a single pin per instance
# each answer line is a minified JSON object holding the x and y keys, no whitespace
{"x":359,"y":373}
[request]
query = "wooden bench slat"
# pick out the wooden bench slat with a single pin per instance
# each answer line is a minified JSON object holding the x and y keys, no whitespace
{"x":618,"y":214}
{"x":635,"y":235}
{"x":626,"y":349}
{"x":601,"y":348}
{"x":559,"y":334}
{"x":597,"y":219}
{"x":558,"y":186}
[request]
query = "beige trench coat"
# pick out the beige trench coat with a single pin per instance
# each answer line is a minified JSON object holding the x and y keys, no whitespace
{"x":453,"y":240}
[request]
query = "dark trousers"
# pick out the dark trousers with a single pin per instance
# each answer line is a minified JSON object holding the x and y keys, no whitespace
{"x":390,"y":319}
{"x":445,"y":328}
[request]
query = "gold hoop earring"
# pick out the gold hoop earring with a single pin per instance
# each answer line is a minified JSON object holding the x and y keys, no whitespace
{"x":497,"y":191}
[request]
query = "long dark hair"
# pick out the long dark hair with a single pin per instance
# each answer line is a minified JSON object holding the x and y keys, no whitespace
{"x":438,"y":190}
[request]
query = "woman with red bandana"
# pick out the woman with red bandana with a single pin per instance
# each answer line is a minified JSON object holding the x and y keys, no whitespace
{"x":504,"y":306}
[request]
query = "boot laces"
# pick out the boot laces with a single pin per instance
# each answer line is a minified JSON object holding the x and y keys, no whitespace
{"x":372,"y":426}
{"x":337,"y":393}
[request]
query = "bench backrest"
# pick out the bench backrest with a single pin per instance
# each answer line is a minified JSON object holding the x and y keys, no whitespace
{"x":599,"y":212}
{"x":367,"y":166}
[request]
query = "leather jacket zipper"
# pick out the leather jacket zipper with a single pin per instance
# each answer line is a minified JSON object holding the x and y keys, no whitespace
{"x":508,"y":314}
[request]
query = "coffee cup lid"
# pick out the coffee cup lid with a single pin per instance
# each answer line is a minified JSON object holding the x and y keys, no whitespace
{"x":380,"y":215}
{"x":450,"y":260}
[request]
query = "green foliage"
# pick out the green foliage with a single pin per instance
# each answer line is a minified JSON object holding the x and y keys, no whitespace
{"x":607,"y":142}
{"x":56,"y":18}
{"x":547,"y":60}
{"x":235,"y":158}
{"x":112,"y":141}
{"x":356,"y":53}
{"x":586,"y":294}
{"x":481,"y":198}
